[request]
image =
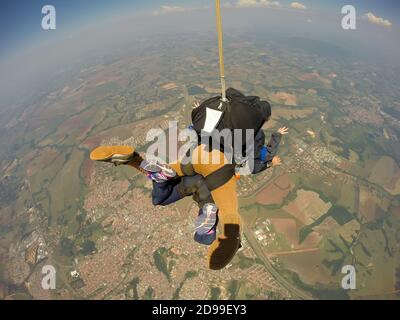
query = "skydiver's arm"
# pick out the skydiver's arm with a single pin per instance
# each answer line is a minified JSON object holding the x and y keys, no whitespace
{"x":273,"y":146}
{"x":262,"y":163}
{"x":260,"y":166}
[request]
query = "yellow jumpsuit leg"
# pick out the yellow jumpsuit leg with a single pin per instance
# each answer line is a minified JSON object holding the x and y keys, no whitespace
{"x":223,"y":249}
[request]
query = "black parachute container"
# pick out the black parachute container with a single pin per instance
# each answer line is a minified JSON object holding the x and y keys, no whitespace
{"x":238,"y":112}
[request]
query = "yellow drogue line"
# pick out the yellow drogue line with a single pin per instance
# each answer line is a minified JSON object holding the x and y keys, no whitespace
{"x":220,"y":48}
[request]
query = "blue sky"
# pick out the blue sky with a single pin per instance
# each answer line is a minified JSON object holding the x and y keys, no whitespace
{"x":20,"y":19}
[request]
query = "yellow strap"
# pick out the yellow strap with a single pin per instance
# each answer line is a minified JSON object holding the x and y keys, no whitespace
{"x":220,"y":48}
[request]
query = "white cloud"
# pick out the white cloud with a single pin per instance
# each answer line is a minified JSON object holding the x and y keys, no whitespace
{"x":298,"y":5}
{"x":170,"y":9}
{"x":257,"y":4}
{"x":232,"y":4}
{"x":378,"y":20}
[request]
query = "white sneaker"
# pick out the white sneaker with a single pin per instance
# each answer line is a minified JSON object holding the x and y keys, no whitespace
{"x":157,"y":171}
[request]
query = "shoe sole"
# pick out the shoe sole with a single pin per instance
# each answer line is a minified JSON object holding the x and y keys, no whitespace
{"x":216,"y":261}
{"x":159,"y":168}
{"x":109,"y":153}
{"x":221,"y":252}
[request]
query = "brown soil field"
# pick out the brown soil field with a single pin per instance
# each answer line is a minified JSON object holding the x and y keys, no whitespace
{"x":349,"y":230}
{"x":272,"y":195}
{"x":74,"y":125}
{"x":292,"y":113}
{"x":276,"y":191}
{"x":308,"y":76}
{"x":288,"y":227}
{"x":283,"y":182}
{"x":169,"y":86}
{"x":307,"y":207}
{"x":285,"y":98}
{"x":315,"y":76}
{"x":328,"y":225}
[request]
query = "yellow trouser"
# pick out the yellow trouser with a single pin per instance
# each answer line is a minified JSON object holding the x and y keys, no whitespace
{"x":225,"y":197}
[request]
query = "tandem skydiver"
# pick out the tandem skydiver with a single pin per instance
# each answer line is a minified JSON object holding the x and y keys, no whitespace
{"x":212,"y":184}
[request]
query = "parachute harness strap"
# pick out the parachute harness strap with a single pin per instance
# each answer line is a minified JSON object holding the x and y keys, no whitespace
{"x":220,"y":177}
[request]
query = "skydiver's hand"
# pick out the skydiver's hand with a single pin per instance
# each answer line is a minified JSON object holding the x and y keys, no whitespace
{"x":283,"y":130}
{"x":195,"y":104}
{"x":276,"y":161}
